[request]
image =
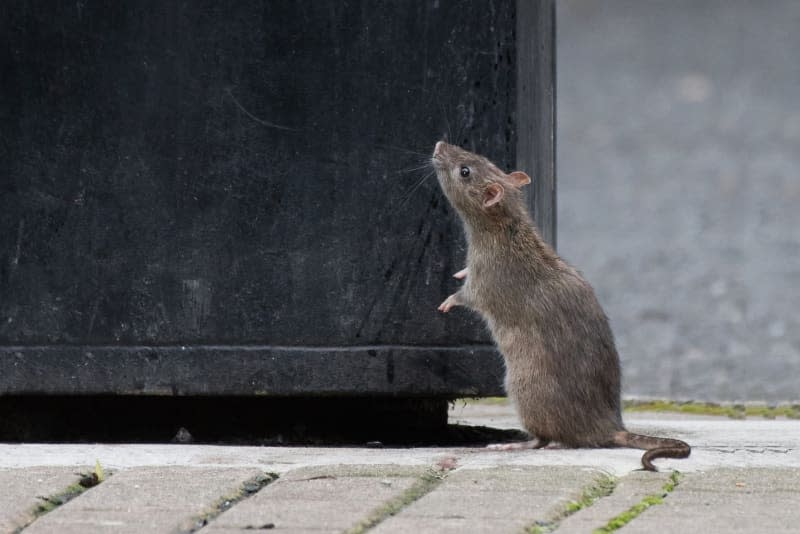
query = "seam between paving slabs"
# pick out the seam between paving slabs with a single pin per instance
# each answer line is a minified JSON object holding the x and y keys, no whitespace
{"x":248,"y":488}
{"x":51,"y":502}
{"x":603,"y":486}
{"x":634,"y":511}
{"x":424,"y":485}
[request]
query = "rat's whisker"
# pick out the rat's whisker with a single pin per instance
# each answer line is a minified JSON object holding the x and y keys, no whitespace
{"x":407,"y":196}
{"x":415,"y":168}
{"x":401,"y":149}
{"x":448,"y":135}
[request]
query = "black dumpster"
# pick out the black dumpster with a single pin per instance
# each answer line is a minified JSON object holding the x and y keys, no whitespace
{"x":202,"y":199}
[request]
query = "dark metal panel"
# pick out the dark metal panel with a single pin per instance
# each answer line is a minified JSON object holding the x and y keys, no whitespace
{"x":536,"y":107}
{"x":253,"y":370}
{"x":188,"y":173}
{"x":192,"y":175}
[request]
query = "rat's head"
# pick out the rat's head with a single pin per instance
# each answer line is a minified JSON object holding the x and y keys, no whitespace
{"x":475,"y":186}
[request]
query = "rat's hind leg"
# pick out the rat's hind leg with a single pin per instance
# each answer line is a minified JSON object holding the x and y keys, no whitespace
{"x":519,"y":445}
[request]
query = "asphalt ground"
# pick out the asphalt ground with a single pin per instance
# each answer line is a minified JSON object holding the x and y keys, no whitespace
{"x":679,"y":188}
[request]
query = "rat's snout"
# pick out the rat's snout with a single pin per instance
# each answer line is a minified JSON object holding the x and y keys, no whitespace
{"x":438,"y":158}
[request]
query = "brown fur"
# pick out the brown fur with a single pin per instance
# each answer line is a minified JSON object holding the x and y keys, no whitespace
{"x":563,"y":370}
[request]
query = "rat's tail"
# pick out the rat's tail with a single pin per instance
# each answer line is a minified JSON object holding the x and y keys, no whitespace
{"x":656,"y":447}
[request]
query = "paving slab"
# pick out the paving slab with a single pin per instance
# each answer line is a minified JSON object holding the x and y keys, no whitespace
{"x":152,"y":500}
{"x":716,"y":442}
{"x":274,"y":459}
{"x":450,"y":524}
{"x":504,"y":499}
{"x":741,"y":475}
{"x":629,"y":490}
{"x":727,"y":500}
{"x":331,"y":499}
{"x":23,"y":489}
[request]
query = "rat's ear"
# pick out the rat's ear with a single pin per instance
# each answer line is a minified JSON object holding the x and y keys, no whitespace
{"x":492,"y":194}
{"x":519,"y":178}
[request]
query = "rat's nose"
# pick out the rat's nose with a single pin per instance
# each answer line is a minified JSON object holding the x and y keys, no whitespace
{"x":438,"y":148}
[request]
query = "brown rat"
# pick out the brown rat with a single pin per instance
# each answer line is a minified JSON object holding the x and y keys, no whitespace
{"x":562,"y":367}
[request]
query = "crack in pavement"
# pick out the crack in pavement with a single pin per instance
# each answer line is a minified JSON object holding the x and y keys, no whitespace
{"x":248,"y":489}
{"x":52,"y":502}
{"x":424,"y":485}
{"x":603,"y":486}
{"x":754,"y":450}
{"x":622,"y":519}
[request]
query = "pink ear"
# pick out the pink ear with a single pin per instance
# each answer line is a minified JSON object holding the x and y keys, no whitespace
{"x":519,"y":178}
{"x":492,"y":195}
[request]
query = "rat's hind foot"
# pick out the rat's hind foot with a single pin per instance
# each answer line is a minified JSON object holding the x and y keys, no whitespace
{"x":519,"y":445}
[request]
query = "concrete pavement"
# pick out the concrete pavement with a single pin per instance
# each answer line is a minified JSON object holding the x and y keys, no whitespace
{"x":742,"y":477}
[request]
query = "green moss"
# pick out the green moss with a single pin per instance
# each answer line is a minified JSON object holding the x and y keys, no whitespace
{"x":248,"y":488}
{"x":734,"y":411}
{"x":602,"y":487}
{"x":424,"y":485}
{"x":674,"y":479}
{"x":51,"y":502}
{"x":634,"y":511}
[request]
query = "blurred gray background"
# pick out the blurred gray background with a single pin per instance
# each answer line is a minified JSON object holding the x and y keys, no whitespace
{"x":679,"y":188}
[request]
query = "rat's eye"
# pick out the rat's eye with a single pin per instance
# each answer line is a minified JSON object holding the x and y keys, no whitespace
{"x":464,"y":171}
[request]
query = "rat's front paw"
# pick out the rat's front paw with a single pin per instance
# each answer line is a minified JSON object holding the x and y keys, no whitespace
{"x":449,"y":303}
{"x":460,"y":275}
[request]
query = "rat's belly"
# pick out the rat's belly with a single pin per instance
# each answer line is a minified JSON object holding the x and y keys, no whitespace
{"x":536,"y":401}
{"x":556,"y":403}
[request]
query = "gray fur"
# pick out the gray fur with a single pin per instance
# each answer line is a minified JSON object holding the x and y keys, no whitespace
{"x":563,"y":371}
